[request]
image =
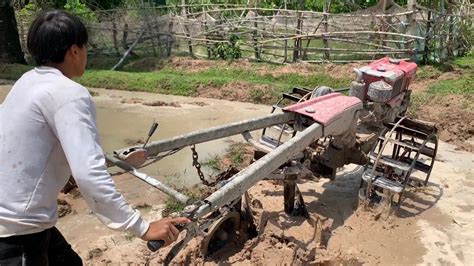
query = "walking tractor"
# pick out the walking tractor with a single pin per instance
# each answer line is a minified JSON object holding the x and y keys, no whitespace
{"x":308,"y":134}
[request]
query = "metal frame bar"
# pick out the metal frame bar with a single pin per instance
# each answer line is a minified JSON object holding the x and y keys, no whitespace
{"x":218,"y":132}
{"x":257,"y":171}
{"x":149,"y":180}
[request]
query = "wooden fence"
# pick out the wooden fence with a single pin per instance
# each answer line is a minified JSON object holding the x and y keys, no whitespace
{"x":279,"y":35}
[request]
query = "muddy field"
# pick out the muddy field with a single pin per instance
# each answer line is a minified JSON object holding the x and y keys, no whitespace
{"x":434,"y":227}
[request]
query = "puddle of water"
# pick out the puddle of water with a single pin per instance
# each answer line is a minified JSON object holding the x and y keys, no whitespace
{"x":119,"y":122}
{"x":117,"y":125}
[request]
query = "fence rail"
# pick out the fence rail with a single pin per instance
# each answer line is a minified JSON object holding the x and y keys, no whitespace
{"x":278,"y":35}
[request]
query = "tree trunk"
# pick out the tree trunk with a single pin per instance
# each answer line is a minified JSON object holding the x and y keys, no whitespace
{"x":10,"y":48}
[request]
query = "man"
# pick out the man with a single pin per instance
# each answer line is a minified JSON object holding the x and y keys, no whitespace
{"x":47,"y":133}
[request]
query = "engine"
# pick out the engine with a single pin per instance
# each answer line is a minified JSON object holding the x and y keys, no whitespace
{"x":383,"y":87}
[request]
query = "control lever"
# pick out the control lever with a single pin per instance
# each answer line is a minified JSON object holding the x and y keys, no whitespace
{"x":152,"y":130}
{"x":154,"y":245}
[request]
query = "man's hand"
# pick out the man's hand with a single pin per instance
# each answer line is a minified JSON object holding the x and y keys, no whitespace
{"x":165,"y":230}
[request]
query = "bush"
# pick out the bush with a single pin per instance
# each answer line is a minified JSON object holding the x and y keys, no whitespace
{"x":227,"y":50}
{"x":81,"y":10}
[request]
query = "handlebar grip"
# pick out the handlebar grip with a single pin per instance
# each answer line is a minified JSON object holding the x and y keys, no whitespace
{"x":154,"y":245}
{"x":152,"y":129}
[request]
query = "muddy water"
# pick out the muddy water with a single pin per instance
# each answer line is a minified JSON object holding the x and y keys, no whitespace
{"x":122,"y":118}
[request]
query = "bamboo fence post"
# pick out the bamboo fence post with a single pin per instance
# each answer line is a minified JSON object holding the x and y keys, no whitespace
{"x":186,"y":28}
{"x":326,"y":29}
{"x":450,"y":42}
{"x":411,"y":20}
{"x":441,"y":33}
{"x":125,"y":37}
{"x":299,"y":27}
{"x":114,"y":37}
{"x":254,"y":34}
{"x":147,"y":18}
{"x":286,"y":41}
{"x":208,"y":48}
{"x":169,"y":42}
{"x":427,"y":37}
{"x":384,"y":22}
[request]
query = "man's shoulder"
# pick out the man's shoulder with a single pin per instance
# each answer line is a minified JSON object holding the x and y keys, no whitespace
{"x":48,"y":90}
{"x":57,"y":89}
{"x":68,"y":88}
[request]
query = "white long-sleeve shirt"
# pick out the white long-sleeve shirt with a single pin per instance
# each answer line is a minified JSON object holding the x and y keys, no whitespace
{"x":48,"y":132}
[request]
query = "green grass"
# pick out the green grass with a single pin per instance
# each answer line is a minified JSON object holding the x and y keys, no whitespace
{"x":463,"y":83}
{"x":181,"y":82}
{"x":465,"y":62}
{"x":428,"y":72}
{"x":167,"y":80}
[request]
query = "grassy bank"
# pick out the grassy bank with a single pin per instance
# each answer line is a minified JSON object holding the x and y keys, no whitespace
{"x":260,"y":83}
{"x":456,"y":78}
{"x":169,"y":80}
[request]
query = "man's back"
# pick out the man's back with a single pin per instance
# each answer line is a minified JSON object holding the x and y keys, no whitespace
{"x":33,"y":167}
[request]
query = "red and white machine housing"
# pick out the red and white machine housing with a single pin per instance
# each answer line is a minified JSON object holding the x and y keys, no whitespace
{"x":385,"y":85}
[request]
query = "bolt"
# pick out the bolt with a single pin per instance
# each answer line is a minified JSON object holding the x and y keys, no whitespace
{"x":310,"y":110}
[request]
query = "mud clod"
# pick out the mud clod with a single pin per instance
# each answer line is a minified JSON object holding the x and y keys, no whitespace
{"x":64,"y":208}
{"x":162,"y":103}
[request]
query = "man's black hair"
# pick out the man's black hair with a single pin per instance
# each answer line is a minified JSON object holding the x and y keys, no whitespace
{"x":52,"y":33}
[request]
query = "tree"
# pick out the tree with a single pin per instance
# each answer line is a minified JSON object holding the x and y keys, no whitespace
{"x":10,"y":48}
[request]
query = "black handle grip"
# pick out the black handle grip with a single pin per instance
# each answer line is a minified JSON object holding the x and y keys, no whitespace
{"x":154,"y":245}
{"x":152,"y":129}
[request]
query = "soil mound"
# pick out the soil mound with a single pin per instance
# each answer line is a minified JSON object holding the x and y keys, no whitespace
{"x":455,"y":122}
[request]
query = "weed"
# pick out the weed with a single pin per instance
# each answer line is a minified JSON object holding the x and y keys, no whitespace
{"x":236,"y":154}
{"x":172,"y":206}
{"x":212,"y":162}
{"x":128,"y":236}
{"x":195,"y":193}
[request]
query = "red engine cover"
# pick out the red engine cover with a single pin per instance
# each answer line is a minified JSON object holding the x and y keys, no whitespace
{"x":398,"y":73}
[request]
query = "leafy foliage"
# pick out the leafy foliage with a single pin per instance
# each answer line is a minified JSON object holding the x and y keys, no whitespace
{"x":80,"y":9}
{"x":227,"y":50}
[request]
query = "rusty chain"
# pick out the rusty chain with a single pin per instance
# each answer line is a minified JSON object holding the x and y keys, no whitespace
{"x":197,"y":165}
{"x":225,"y":175}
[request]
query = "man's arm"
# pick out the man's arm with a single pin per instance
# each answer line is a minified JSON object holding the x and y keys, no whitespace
{"x":76,"y":130}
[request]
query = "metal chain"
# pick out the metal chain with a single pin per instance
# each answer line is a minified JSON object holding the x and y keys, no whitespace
{"x":197,"y":165}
